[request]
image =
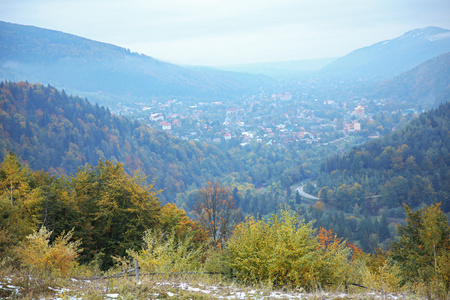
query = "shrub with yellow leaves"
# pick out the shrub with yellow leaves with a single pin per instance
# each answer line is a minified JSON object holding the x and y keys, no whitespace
{"x":376,"y":271}
{"x":57,"y":258}
{"x":284,"y":251}
{"x":164,"y":253}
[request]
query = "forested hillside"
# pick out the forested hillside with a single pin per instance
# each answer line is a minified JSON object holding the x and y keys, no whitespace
{"x":410,"y":166}
{"x":50,"y":130}
{"x":59,"y":133}
{"x":426,"y":85}
{"x":109,"y":73}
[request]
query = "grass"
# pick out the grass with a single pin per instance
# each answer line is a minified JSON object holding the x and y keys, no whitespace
{"x":20,"y":285}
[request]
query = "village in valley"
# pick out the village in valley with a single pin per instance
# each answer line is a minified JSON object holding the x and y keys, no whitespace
{"x":284,"y":119}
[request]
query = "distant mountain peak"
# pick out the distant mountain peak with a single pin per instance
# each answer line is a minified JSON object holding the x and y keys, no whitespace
{"x":389,"y":58}
{"x":427,"y":33}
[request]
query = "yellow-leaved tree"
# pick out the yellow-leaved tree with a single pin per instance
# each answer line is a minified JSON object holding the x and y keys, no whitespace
{"x":112,"y":210}
{"x":422,"y":249}
{"x":20,"y":203}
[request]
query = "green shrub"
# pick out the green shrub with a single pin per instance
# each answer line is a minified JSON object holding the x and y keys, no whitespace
{"x":216,"y":261}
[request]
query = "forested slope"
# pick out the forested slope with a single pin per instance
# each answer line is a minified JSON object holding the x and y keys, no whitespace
{"x":410,"y":166}
{"x":110,"y":72}
{"x":427,"y":85}
{"x":59,"y":133}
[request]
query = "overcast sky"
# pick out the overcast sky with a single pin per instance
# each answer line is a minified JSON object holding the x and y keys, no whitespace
{"x":222,"y":32}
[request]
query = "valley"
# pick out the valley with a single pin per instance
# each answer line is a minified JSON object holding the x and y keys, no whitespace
{"x":297,"y":181}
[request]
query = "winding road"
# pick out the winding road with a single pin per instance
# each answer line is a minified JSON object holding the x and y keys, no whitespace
{"x":304,"y":194}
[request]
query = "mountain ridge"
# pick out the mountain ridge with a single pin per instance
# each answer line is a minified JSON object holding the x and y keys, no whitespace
{"x":389,"y":58}
{"x":29,"y":53}
{"x":426,"y":85}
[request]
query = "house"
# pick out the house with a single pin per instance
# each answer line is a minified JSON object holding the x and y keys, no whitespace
{"x":156,"y":117}
{"x":227,"y":136}
{"x":165,"y":125}
{"x":172,"y":116}
{"x":354,"y":126}
{"x":375,"y":136}
{"x":248,"y":134}
{"x":176,"y":122}
{"x":301,"y":134}
{"x":359,"y":111}
{"x":286,"y":97}
{"x":410,"y":111}
{"x":232,"y":111}
{"x":269,"y":135}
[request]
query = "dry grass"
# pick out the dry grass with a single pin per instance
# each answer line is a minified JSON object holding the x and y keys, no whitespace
{"x":18,"y":285}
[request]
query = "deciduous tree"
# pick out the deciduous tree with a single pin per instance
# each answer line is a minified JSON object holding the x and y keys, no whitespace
{"x":216,"y":211}
{"x":19,"y":202}
{"x":114,"y":208}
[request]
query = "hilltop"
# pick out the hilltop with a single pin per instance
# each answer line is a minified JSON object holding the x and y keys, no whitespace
{"x":107,"y":73}
{"x":390,"y":58}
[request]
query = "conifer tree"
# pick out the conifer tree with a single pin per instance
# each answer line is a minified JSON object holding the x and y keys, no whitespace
{"x":423,"y":243}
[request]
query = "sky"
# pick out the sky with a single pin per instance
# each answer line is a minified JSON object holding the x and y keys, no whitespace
{"x":228,"y":32}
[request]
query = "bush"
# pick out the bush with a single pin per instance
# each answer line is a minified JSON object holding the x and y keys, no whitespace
{"x":215,"y":261}
{"x":6,"y":241}
{"x":376,"y":271}
{"x":38,"y":254}
{"x":163,"y":253}
{"x":284,"y":251}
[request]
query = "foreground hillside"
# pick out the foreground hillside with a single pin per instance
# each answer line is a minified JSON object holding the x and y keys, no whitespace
{"x":107,"y":72}
{"x":154,"y":287}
